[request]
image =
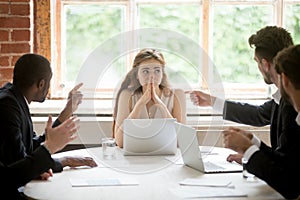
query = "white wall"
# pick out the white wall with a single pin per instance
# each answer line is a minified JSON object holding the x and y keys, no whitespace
{"x":209,"y":130}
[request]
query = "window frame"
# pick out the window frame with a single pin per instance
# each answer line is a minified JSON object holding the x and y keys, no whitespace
{"x":205,"y":28}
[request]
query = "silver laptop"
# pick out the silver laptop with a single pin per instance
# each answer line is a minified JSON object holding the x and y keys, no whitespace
{"x":149,"y":137}
{"x":192,"y":156}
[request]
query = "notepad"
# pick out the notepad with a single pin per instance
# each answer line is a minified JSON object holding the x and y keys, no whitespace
{"x":207,"y":183}
{"x":90,"y":182}
{"x":207,"y":192}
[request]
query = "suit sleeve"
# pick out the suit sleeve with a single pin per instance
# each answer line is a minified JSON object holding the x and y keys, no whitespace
{"x":21,"y":172}
{"x":288,"y":133}
{"x":248,"y":114}
{"x":56,"y":123}
{"x":279,"y":166}
{"x":280,"y":172}
{"x":12,"y":147}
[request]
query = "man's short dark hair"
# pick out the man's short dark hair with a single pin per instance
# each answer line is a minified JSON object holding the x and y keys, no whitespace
{"x":30,"y":69}
{"x":288,"y":62}
{"x":269,"y":41}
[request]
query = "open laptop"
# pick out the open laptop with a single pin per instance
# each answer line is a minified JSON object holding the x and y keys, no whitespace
{"x":192,"y":156}
{"x":149,"y":137}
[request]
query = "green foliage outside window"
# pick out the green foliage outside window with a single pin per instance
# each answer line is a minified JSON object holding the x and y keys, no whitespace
{"x":232,"y":55}
{"x":87,"y":26}
{"x":292,"y":21}
{"x":184,"y":19}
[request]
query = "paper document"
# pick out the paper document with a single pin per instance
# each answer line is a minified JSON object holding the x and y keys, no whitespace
{"x":206,"y":183}
{"x":207,"y":192}
{"x":84,"y":182}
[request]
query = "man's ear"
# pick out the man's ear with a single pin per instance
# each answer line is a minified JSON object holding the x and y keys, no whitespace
{"x":285,"y":81}
{"x":41,"y":84}
{"x":266,"y":64}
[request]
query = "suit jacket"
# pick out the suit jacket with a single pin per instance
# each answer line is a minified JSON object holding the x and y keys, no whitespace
{"x":17,"y":138}
{"x":283,"y":127}
{"x":279,"y":164}
{"x":250,"y":114}
{"x":21,"y":172}
{"x":265,"y":114}
{"x":279,"y":171}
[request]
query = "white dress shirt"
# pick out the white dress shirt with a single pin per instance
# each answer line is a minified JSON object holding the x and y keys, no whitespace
{"x":298,"y":119}
{"x":277,"y":96}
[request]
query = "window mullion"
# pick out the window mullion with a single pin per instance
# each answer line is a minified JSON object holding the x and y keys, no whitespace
{"x":278,"y":13}
{"x":205,"y":43}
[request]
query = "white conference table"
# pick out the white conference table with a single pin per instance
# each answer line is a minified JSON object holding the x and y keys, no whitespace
{"x":155,"y":177}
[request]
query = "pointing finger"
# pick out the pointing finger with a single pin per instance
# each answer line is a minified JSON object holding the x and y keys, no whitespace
{"x":77,"y":86}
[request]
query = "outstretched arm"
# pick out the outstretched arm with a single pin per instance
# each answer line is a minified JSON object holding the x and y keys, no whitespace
{"x":200,"y":98}
{"x":74,"y":99}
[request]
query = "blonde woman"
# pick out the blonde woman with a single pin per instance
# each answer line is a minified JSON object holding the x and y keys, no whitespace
{"x":145,"y":93}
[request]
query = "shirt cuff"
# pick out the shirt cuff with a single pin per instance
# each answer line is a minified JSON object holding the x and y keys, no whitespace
{"x":45,"y":146}
{"x":250,"y":151}
{"x":256,"y":141}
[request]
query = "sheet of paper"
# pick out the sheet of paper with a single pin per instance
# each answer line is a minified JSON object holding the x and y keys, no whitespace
{"x":207,"y":192}
{"x":89,"y":182}
{"x":206,"y":182}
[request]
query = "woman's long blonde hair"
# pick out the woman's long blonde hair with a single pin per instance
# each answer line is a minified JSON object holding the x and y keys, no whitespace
{"x":131,"y":82}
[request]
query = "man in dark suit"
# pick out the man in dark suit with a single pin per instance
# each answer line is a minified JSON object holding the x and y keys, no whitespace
{"x":31,"y":81}
{"x":268,"y":41}
{"x":281,"y":171}
{"x":22,"y":171}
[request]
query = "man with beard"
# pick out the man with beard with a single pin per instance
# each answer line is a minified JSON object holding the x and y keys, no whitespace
{"x":277,"y":112}
{"x":280,"y":171}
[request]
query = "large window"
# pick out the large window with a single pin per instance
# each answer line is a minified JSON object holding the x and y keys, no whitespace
{"x":233,"y":58}
{"x":291,"y":19}
{"x":220,"y":27}
{"x":181,"y":18}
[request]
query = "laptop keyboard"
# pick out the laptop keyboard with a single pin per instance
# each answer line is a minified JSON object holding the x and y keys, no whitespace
{"x":212,"y":167}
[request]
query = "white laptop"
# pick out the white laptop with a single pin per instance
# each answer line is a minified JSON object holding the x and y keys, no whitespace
{"x":149,"y":137}
{"x":192,"y":156}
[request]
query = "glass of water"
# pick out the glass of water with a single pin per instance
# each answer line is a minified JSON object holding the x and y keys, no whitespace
{"x":108,"y":147}
{"x":246,"y":174}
